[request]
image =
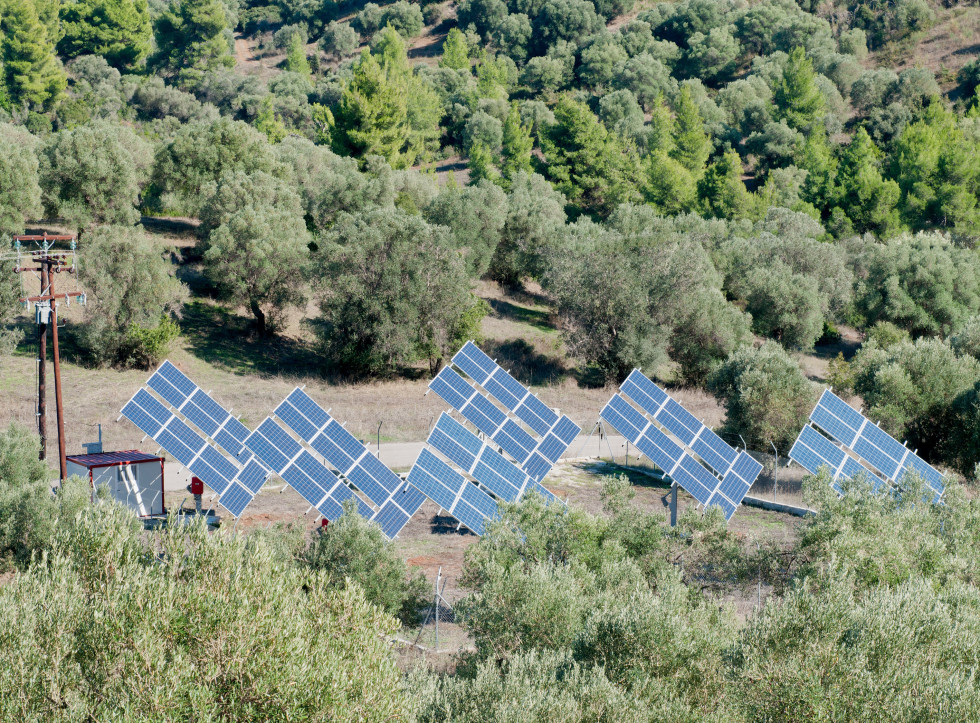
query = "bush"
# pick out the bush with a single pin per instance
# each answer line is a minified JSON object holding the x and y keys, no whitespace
{"x":147,"y":347}
{"x":351,"y":548}
{"x":234,"y":627}
{"x":27,"y":506}
{"x":766,"y":396}
{"x":132,"y":290}
{"x":94,"y":174}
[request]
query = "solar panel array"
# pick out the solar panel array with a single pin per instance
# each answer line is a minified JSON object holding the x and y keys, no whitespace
{"x":396,"y":500}
{"x":734,"y":472}
{"x":236,"y":482}
{"x":885,"y":459}
{"x":252,"y":456}
{"x":536,"y":457}
{"x":452,"y":491}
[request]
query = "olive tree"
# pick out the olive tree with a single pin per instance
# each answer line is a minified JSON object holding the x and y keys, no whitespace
{"x":20,"y":194}
{"x":766,"y":396}
{"x":392,"y":290}
{"x":257,"y":245}
{"x":94,"y":174}
{"x":133,"y":295}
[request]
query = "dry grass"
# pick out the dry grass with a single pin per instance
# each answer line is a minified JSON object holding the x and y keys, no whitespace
{"x":945,"y":48}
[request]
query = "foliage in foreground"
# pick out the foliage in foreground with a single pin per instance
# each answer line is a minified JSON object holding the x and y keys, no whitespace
{"x":187,"y":626}
{"x":875,"y":616}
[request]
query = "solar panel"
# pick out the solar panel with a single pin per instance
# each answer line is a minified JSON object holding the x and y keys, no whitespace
{"x":200,"y":409}
{"x":736,"y":484}
{"x":738,"y":469}
{"x":339,"y":447}
{"x":451,"y":491}
{"x":876,"y":448}
{"x":460,"y":446}
{"x":235,"y":487}
{"x":504,"y":388}
{"x":660,"y":449}
{"x":300,"y":470}
{"x":398,"y":509}
{"x":550,"y":449}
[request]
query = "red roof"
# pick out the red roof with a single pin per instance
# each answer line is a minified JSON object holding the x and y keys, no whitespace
{"x":104,"y":459}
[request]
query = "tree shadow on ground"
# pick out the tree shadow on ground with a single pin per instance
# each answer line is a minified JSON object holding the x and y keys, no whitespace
{"x":538,"y":318}
{"x":524,"y":362}
{"x":220,"y":337}
{"x":446,"y":525}
{"x":637,"y":477}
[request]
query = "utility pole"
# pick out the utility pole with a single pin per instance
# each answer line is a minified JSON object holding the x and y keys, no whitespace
{"x":49,"y":262}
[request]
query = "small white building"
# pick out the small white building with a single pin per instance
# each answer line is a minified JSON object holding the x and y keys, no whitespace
{"x":135,"y":479}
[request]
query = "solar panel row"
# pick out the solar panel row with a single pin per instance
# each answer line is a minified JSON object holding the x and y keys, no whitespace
{"x":200,"y":409}
{"x":487,"y":466}
{"x":451,"y":491}
{"x":505,"y":389}
{"x":879,"y":450}
{"x":235,"y":487}
{"x":282,"y":454}
{"x":487,"y":417}
{"x":737,"y":470}
{"x":659,"y":448}
{"x":328,"y":438}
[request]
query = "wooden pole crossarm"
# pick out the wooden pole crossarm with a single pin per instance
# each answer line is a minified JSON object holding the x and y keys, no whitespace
{"x":45,"y":237}
{"x":35,"y":299}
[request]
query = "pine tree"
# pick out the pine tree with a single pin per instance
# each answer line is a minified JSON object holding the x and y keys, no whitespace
{"x":455,"y":53}
{"x":269,"y":123}
{"x":691,"y":144}
{"x":372,"y":116}
{"x":191,"y":38}
{"x":797,"y":98}
{"x":481,"y":164}
{"x":32,"y":74}
{"x":517,"y":145}
{"x":586,"y":162}
{"x":721,"y":190}
{"x":296,"y":61}
{"x":118,"y":30}
{"x":868,"y":199}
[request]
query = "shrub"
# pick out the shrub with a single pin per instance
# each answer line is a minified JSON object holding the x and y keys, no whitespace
{"x":234,"y":628}
{"x":20,"y":194}
{"x":766,"y":396}
{"x":27,"y":507}
{"x":131,"y":289}
{"x":351,"y":548}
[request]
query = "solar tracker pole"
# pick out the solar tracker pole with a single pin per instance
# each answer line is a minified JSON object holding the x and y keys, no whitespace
{"x":673,"y":504}
{"x":775,"y":471}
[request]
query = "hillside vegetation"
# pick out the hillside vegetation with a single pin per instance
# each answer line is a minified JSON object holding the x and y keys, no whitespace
{"x":346,"y":192}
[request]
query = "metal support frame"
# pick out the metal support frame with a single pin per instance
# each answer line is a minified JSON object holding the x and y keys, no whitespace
{"x":673,"y":504}
{"x":439,"y":589}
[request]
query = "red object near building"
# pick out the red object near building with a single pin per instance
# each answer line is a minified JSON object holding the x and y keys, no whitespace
{"x":197,"y":486}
